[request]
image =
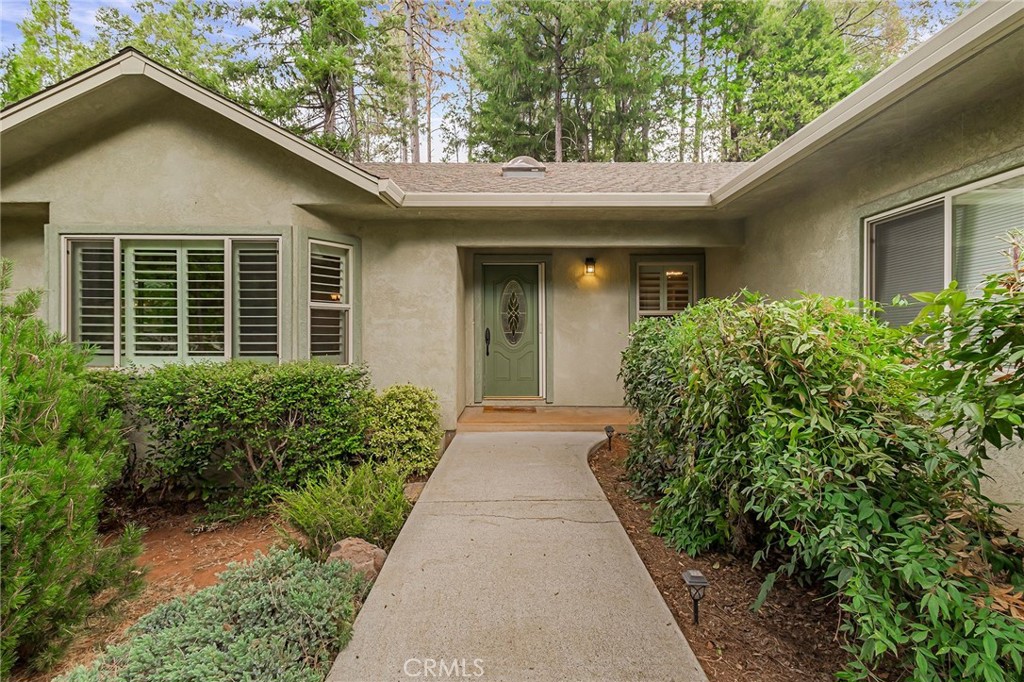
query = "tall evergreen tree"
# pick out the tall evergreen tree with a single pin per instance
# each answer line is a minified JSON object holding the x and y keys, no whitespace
{"x":51,"y":50}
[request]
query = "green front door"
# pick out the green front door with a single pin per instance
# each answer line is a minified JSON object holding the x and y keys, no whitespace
{"x":510,"y":343}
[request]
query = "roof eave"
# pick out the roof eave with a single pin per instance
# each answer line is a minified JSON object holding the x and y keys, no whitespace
{"x":982,"y":26}
{"x":556,"y":200}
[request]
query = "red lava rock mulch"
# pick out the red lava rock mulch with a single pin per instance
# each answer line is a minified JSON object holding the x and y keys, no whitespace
{"x":793,"y":635}
{"x":180,"y":556}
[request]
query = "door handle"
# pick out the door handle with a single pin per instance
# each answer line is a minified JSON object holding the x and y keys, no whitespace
{"x":487,"y":341}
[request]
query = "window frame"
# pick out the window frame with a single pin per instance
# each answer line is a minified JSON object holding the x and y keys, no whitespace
{"x":948,"y":247}
{"x":118,"y":240}
{"x":347,"y":306}
{"x":693,"y":261}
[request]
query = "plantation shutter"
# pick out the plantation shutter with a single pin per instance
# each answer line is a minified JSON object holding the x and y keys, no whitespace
{"x":980,"y":219}
{"x":92,"y":297}
{"x":664,"y":289}
{"x":205,"y":300}
{"x":256,"y":299}
{"x":174,"y":301}
{"x":908,"y":258}
{"x":329,"y":304}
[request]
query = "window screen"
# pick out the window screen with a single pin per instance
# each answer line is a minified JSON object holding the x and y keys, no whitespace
{"x":908,"y":258}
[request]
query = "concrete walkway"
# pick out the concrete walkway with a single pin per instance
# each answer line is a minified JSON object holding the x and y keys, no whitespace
{"x":513,"y":566}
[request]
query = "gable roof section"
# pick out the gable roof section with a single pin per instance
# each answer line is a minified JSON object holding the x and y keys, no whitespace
{"x":131,"y":62}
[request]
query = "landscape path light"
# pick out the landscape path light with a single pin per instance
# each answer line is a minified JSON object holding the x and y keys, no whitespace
{"x":696,"y":583}
{"x":609,"y":431}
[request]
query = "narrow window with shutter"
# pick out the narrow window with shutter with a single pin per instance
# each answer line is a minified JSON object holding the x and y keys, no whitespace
{"x":329,"y":304}
{"x":256,"y":300}
{"x":908,"y":258}
{"x":664,"y":289}
{"x":92,"y":297}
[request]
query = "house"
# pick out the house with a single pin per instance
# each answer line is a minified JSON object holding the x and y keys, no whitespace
{"x":156,"y":212}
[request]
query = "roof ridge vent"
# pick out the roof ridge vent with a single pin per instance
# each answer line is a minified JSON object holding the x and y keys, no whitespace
{"x":523,"y":167}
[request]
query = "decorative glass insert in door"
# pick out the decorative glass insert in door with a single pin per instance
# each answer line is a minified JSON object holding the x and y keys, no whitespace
{"x":513,"y":311}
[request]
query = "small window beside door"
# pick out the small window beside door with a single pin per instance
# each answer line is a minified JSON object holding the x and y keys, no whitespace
{"x":664,"y":288}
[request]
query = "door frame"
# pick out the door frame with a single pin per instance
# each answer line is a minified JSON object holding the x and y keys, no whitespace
{"x":544,"y":317}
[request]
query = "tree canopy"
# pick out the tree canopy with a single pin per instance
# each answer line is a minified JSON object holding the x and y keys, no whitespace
{"x":561,"y":80}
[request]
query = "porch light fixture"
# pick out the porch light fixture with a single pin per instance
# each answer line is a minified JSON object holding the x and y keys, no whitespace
{"x":610,"y":432}
{"x":696,"y":583}
{"x":590,"y":266}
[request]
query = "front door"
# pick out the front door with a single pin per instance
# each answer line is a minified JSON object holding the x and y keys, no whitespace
{"x":511,"y":337}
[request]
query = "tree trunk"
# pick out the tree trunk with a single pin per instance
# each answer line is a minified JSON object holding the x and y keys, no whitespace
{"x":353,"y":123}
{"x":698,"y":116}
{"x":559,"y":75}
{"x":414,"y":114}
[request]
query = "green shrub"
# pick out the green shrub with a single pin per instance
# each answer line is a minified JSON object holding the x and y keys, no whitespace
{"x":366,"y":502}
{"x":263,"y":425}
{"x":59,"y":450}
{"x":974,"y":359}
{"x":790,"y":430}
{"x":405,"y":428}
{"x":280,"y":617}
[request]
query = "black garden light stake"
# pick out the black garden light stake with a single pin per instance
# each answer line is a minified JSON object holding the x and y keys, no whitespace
{"x":609,"y":431}
{"x":696,"y":583}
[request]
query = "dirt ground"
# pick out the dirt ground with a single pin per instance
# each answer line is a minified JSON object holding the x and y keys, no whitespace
{"x":792,"y":636}
{"x":180,"y":556}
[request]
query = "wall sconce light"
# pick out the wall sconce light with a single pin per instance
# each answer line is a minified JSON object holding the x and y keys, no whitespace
{"x":696,"y":583}
{"x":590,"y":266}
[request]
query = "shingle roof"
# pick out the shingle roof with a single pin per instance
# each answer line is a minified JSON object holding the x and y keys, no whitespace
{"x":559,"y":178}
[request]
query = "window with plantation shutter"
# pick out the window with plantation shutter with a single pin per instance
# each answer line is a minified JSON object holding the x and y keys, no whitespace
{"x":256,"y":299}
{"x":981,"y":219}
{"x":178,"y":300}
{"x":92,"y":307}
{"x":664,"y":288}
{"x":908,"y":258}
{"x":329,"y":304}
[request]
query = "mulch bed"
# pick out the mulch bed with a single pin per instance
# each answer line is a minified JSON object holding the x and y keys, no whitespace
{"x":182,"y":554}
{"x":792,"y":637}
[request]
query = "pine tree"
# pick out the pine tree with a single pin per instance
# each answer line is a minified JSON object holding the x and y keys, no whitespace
{"x":51,"y":50}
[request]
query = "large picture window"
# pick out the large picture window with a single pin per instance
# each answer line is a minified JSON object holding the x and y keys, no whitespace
{"x":953,"y":236}
{"x":173,"y":300}
{"x":330,"y":304}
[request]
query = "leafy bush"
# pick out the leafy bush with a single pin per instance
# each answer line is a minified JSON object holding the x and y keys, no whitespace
{"x":405,"y":428}
{"x":789,"y":429}
{"x":974,"y":362}
{"x":264,"y":425}
{"x":280,"y":617}
{"x":59,"y":450}
{"x":367,"y":501}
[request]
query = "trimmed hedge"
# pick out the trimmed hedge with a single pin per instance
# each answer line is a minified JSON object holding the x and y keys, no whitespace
{"x":789,"y":430}
{"x":281,"y":617}
{"x":60,"y":448}
{"x":241,"y":428}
